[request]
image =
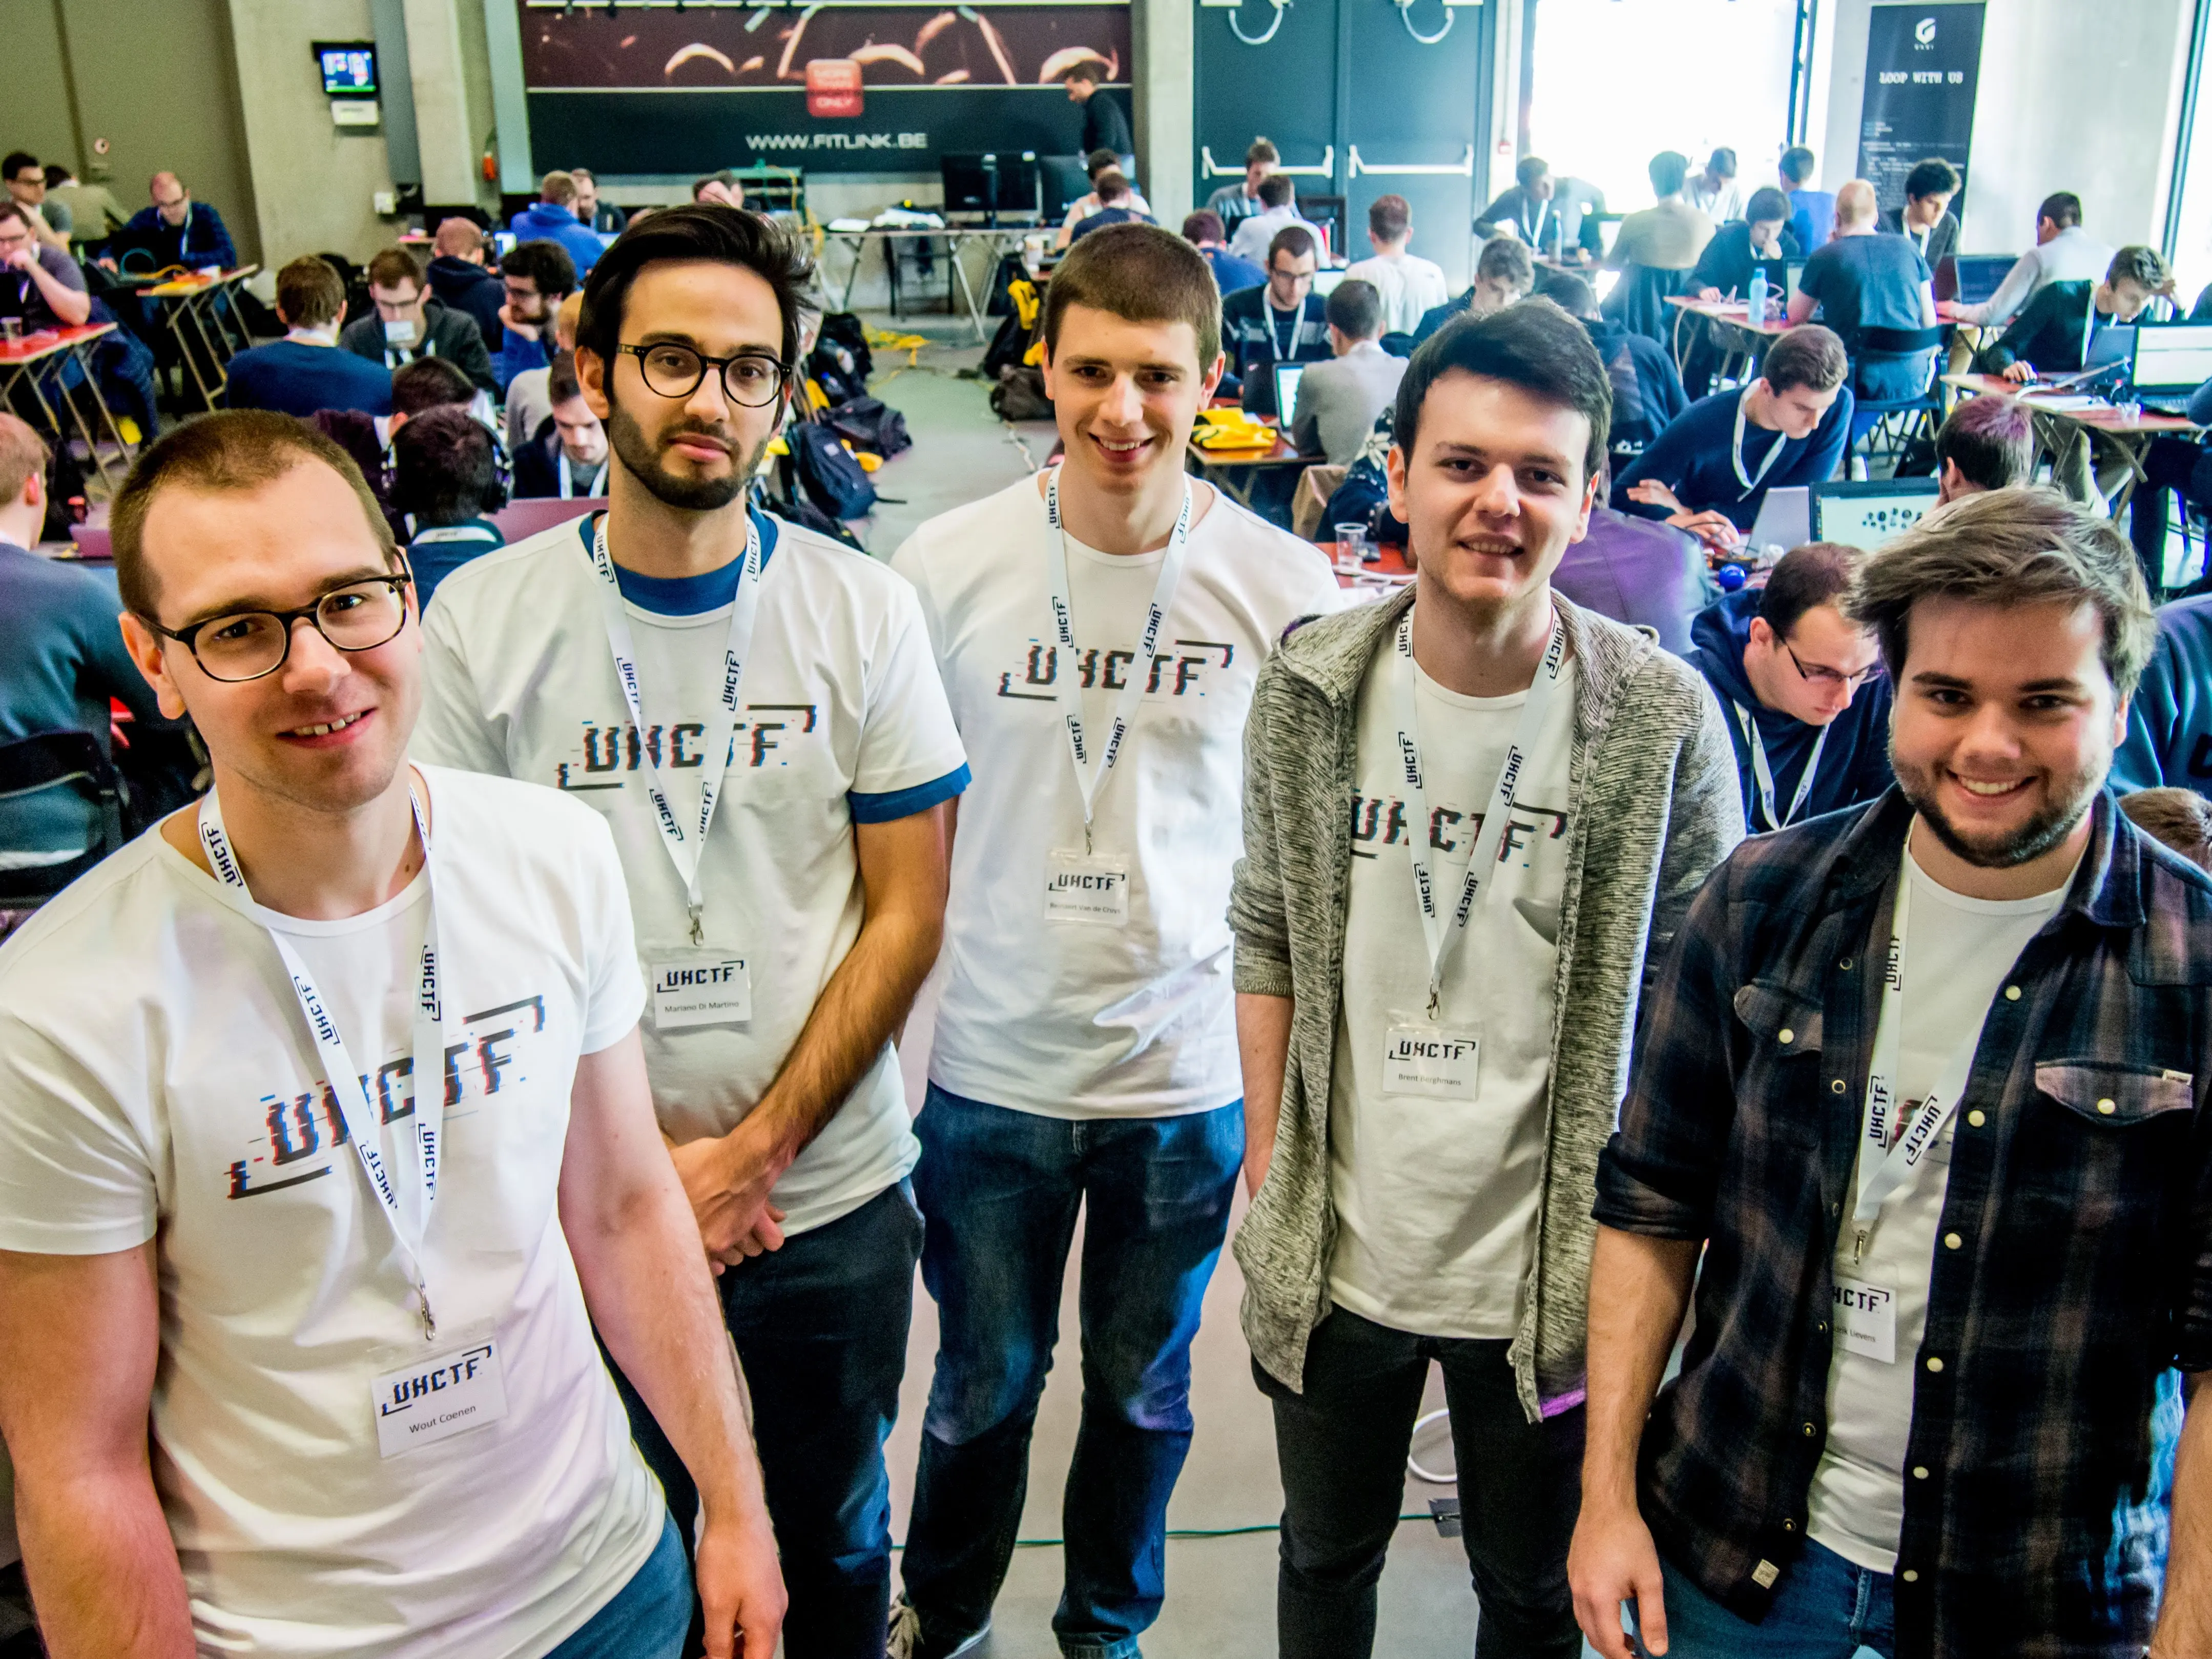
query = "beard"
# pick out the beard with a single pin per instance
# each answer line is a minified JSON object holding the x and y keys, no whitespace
{"x":2066,"y":798}
{"x":640,"y":458}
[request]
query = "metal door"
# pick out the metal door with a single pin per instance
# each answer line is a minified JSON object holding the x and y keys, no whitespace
{"x":1267,"y":68}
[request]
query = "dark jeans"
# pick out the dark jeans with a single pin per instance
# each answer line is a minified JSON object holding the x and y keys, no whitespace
{"x":2168,"y":464}
{"x":646,"y":1619}
{"x":1824,"y":1608}
{"x":821,"y":1327}
{"x":1001,"y":1189}
{"x":1342,"y":1445}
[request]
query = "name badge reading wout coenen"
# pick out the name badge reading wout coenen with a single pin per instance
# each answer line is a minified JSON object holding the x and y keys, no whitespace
{"x":698,"y":986}
{"x":1087,"y":887}
{"x":435,"y":1399}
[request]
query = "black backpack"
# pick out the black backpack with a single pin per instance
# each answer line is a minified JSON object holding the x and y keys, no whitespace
{"x":833,"y":478}
{"x":870,"y":423}
{"x":1020,"y":395}
{"x":845,"y":332}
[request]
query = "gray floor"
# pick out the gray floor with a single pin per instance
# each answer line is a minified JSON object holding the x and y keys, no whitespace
{"x":1221,"y":1590}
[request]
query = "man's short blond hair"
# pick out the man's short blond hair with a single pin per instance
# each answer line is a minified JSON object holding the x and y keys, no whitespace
{"x":2026,"y":545}
{"x":558,"y":188}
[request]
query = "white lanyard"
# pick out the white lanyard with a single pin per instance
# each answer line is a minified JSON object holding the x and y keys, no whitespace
{"x":1285,"y":354}
{"x":1535,"y":233}
{"x":1886,"y":1157}
{"x":1764,"y":779}
{"x":1735,"y":454}
{"x":568,"y":487}
{"x":1434,"y":924}
{"x":687,"y":855}
{"x":1090,"y":776}
{"x":408,"y":1206}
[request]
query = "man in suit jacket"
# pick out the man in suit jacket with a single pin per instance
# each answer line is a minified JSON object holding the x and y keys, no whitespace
{"x":1926,"y":219}
{"x":1338,"y":400}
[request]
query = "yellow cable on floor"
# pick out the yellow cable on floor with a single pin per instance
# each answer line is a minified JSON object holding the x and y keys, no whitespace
{"x":883,"y":340}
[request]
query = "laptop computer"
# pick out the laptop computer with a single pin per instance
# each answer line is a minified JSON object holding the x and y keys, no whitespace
{"x":1971,"y":278}
{"x":1287,"y":376}
{"x":1793,"y":270}
{"x":1784,"y":518}
{"x":2171,"y":360}
{"x":1865,"y":516}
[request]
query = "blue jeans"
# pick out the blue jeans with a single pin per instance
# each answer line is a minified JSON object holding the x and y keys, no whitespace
{"x":1000,"y":1189}
{"x":648,"y":1616}
{"x":1824,"y":1608}
{"x":821,"y":1328}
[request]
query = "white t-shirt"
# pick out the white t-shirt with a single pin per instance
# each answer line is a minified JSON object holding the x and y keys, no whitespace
{"x":1411,"y":287}
{"x":1076,"y":1020}
{"x":1436,"y":1199}
{"x":844,"y":715}
{"x":1959,"y":952}
{"x":157,"y":1079}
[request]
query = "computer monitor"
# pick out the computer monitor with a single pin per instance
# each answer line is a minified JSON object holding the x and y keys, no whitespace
{"x":349,"y":68}
{"x":2110,"y":346}
{"x":1287,"y":376}
{"x":1063,"y":182}
{"x":1976,"y":277}
{"x":991,"y":182}
{"x":503,"y":242}
{"x":2172,"y":360}
{"x":1326,"y":283}
{"x":1866,"y":515}
{"x":1793,"y":273}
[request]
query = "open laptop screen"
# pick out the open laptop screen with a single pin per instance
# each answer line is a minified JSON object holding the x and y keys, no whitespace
{"x":1287,"y":376}
{"x":1865,"y":516}
{"x":2171,"y":359}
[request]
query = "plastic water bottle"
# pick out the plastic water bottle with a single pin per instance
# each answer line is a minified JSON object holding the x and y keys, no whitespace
{"x":1757,"y":294}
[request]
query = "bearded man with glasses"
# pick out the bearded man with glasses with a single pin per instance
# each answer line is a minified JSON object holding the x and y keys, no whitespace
{"x":1802,"y":688}
{"x":755,"y":711}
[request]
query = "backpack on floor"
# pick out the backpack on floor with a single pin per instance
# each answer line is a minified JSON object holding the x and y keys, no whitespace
{"x":844,"y":332}
{"x":870,"y":423}
{"x":1020,"y":396}
{"x":830,"y":474}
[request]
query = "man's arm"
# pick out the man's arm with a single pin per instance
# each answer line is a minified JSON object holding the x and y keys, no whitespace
{"x":79,"y":1339}
{"x":1262,"y":960}
{"x":904,"y":872}
{"x":2184,"y":1617}
{"x":473,"y":357}
{"x":1263,"y":1046}
{"x":72,"y":305}
{"x":630,"y":1230}
{"x":219,"y":250}
{"x":1639,"y":1288}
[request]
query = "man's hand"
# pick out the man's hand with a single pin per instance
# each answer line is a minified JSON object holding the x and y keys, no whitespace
{"x":1709,"y":294}
{"x":1948,"y":310}
{"x":728,"y":1181}
{"x":107,"y":264}
{"x":1613,"y":1560}
{"x":740,"y":1586}
{"x":2020,"y":373}
{"x":508,"y":320}
{"x":23,"y":258}
{"x":1651,"y":493}
{"x":1715,"y":530}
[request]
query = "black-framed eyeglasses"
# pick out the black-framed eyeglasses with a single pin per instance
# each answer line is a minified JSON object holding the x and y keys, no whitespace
{"x":751,"y":379}
{"x":1820,"y":675}
{"x":249,"y":645}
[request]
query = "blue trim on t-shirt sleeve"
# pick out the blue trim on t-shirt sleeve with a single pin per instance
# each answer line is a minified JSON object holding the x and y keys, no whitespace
{"x":905,"y":803}
{"x":686,"y":596}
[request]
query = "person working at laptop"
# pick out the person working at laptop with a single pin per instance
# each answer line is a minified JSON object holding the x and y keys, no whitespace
{"x":1760,"y":237}
{"x":2056,"y":334}
{"x":2063,"y":252}
{"x":1708,"y":472}
{"x":1337,"y":401}
{"x":1926,"y":219}
{"x":1281,"y":321}
{"x":1802,"y":690}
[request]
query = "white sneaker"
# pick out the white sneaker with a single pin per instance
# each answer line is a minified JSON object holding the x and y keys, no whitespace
{"x":903,"y":1640}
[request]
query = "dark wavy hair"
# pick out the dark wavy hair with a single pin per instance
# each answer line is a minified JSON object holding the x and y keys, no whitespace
{"x":697,"y":231}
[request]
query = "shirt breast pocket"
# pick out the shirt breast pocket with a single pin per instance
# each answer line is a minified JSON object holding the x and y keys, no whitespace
{"x":1782,"y":1081}
{"x":2105,"y":1142}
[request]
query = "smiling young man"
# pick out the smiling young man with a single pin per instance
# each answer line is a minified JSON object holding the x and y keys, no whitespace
{"x":1925,"y":1087}
{"x":1710,"y":470}
{"x":754,"y":709}
{"x":1099,"y":629}
{"x":1801,"y":682}
{"x":1472,"y":814}
{"x":295,"y":1359}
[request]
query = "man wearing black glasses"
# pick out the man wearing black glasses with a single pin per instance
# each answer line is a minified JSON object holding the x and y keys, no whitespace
{"x":326,"y":1143}
{"x":1802,"y":687}
{"x":755,"y":711}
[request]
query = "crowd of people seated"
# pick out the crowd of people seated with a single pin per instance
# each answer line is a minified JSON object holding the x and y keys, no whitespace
{"x":1529,"y":944}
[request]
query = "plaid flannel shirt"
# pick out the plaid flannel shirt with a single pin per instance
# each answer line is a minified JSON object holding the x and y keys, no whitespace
{"x":2080,"y":1185}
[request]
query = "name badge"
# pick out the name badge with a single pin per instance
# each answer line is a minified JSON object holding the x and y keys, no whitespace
{"x":1866,"y":1319}
{"x":694,"y":986}
{"x":437,"y":1398}
{"x":1434,"y":1060}
{"x":1085,"y":887}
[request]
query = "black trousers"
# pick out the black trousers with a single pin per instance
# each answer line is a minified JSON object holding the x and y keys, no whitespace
{"x":1342,"y":1445}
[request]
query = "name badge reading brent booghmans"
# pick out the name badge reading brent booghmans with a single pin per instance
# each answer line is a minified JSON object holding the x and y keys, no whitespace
{"x":1431,"y":1060}
{"x":694,"y":986}
{"x":437,"y":1398}
{"x":1085,"y":887}
{"x":1866,"y":1319}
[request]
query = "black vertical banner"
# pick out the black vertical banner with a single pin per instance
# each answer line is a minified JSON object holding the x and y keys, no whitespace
{"x":1922,"y":64}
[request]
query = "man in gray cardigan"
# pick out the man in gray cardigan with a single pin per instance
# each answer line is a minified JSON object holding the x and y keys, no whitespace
{"x":1474,"y":815}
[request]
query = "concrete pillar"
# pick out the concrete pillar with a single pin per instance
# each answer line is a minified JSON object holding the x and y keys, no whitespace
{"x":1165,"y":87}
{"x":446,"y":128}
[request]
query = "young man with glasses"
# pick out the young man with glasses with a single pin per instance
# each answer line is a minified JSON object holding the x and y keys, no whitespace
{"x":296,"y":1358}
{"x":754,"y":710}
{"x":1801,"y":687}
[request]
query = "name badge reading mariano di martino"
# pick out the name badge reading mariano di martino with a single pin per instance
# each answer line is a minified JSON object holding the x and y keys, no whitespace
{"x":1081,"y":887}
{"x":1434,"y":1060}
{"x":435,"y":1399}
{"x":694,"y":986}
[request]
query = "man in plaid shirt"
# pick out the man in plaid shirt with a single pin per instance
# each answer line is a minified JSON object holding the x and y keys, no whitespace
{"x":1925,"y":1081}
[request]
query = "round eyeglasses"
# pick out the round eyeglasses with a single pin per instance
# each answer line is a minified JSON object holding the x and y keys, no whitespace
{"x":751,"y":379}
{"x":249,"y":645}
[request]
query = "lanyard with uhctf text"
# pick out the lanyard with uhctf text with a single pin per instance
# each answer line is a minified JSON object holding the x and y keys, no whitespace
{"x":405,"y":1198}
{"x":1763,"y":776}
{"x":1735,"y":452}
{"x":686,"y":851}
{"x":1887,"y":1157}
{"x":1091,"y":770}
{"x":1442,"y":931}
